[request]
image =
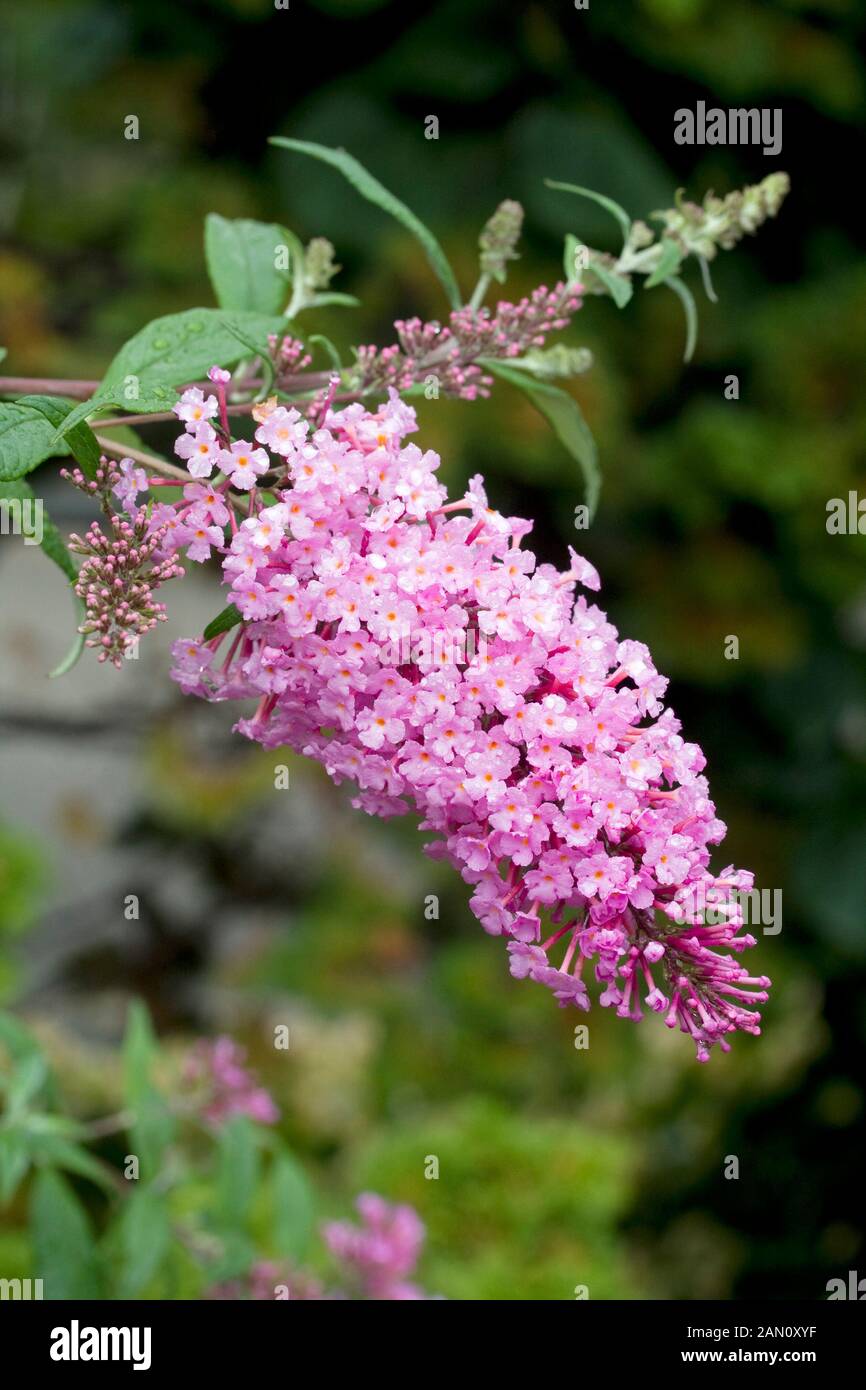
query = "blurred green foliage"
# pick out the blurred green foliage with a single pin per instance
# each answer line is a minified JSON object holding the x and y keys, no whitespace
{"x":21,"y":872}
{"x":531,"y":1208}
{"x":559,"y":1167}
{"x":172,"y":1217}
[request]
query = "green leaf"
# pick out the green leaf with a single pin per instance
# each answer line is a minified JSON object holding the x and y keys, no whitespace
{"x":51,"y":541}
{"x":238,"y":1253}
{"x":16,"y":1040}
{"x":608,"y":204}
{"x":144,"y":1236}
{"x":14,"y":1162}
{"x":334,"y":297}
{"x":549,"y":364}
{"x":707,"y":279}
{"x":28,"y":436}
{"x":27,"y":1075}
{"x":27,"y":1079}
{"x":153,"y":1127}
{"x":572,"y":245}
{"x":76,"y":650}
{"x":64,"y":1252}
{"x":53,"y":1151}
{"x":228,"y":618}
{"x":618,"y":286}
{"x":173,"y":351}
{"x":688,"y":302}
{"x":26,"y":440}
{"x":237,"y":1173}
{"x":292,"y":1207}
{"x":139,"y":1052}
{"x":671,"y":257}
{"x":375,"y":192}
{"x":180,"y":348}
{"x":54,"y":547}
{"x":39,"y":1124}
{"x":565,"y":416}
{"x":329,"y":349}
{"x":80,"y":439}
{"x":241,"y":261}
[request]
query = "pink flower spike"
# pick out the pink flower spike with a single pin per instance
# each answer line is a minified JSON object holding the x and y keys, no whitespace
{"x":446,"y":671}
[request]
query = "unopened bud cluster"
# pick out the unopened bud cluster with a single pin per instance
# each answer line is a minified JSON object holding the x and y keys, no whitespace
{"x":120,"y":573}
{"x":721,"y":222}
{"x":499,"y":239}
{"x":454,"y":350}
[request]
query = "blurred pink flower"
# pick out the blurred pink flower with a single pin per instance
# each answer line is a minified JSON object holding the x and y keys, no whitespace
{"x":216,"y":1068}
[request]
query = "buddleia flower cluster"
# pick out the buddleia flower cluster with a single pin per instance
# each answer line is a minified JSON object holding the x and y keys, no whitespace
{"x":220,"y":1084}
{"x":414,"y":646}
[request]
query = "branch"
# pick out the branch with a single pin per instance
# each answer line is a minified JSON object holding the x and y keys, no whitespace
{"x":157,"y":465}
{"x":46,"y":386}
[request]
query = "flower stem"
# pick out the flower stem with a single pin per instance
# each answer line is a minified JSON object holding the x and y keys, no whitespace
{"x":479,"y":292}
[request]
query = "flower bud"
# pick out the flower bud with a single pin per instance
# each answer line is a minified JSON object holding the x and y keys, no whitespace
{"x":499,"y":237}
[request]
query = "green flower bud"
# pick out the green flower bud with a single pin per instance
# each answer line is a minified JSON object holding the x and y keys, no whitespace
{"x":319,"y":265}
{"x":499,"y":237}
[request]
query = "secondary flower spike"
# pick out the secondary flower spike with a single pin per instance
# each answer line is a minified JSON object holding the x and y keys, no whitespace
{"x":414,"y":647}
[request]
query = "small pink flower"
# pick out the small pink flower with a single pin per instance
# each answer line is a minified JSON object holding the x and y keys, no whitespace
{"x":209,"y":501}
{"x":226,"y":1087}
{"x":243,"y":464}
{"x":252,"y":599}
{"x":131,"y":482}
{"x":201,"y":535}
{"x":194,"y":407}
{"x":379,"y":1254}
{"x":283,"y":431}
{"x":200,"y":449}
